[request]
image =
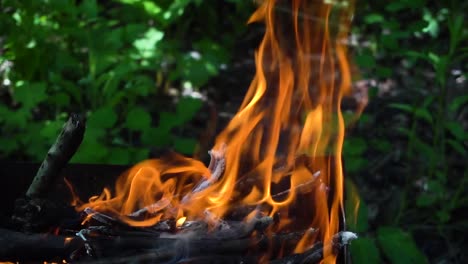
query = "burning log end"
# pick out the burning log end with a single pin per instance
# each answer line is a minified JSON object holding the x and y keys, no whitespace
{"x":316,"y":253}
{"x":342,"y":239}
{"x":58,"y":155}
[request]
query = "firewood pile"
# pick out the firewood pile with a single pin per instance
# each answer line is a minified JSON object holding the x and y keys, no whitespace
{"x":106,"y":238}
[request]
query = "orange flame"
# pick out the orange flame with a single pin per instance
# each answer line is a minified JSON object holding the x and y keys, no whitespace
{"x":281,"y":153}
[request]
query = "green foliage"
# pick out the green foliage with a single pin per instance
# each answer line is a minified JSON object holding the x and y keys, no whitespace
{"x":114,"y":62}
{"x":395,"y":244}
{"x":353,"y":150}
{"x":364,"y":250}
{"x":418,"y":45}
{"x":398,"y":246}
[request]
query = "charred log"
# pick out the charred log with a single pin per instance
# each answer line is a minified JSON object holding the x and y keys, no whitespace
{"x":35,"y":212}
{"x":57,"y":157}
{"x":16,"y":246}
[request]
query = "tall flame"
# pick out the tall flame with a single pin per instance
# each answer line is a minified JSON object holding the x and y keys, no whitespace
{"x":287,"y":135}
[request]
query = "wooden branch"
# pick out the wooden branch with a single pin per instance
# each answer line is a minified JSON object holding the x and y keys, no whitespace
{"x":109,"y":246}
{"x":58,"y":155}
{"x":16,"y":246}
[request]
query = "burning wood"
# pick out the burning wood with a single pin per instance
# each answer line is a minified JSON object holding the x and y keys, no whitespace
{"x":279,"y":157}
{"x":216,"y":169}
{"x":109,"y":246}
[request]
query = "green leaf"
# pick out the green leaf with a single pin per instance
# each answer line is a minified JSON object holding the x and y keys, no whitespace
{"x":30,"y":95}
{"x":455,"y":24}
{"x":151,"y":8}
{"x":89,"y":8}
{"x":423,"y":113}
{"x":197,"y":71}
{"x":168,"y":120}
{"x":443,"y":216}
{"x":404,"y":107}
{"x":355,"y":164}
{"x":61,"y":99}
{"x":94,"y":134}
{"x":373,"y":18}
{"x":146,"y":45}
{"x":395,"y":6}
{"x":51,"y":129}
{"x":102,"y":118}
{"x":426,"y":199}
{"x":139,"y":154}
{"x":432,"y":27}
{"x":156,"y":137}
{"x":457,"y":146}
{"x":187,"y":107}
{"x":119,"y":156}
{"x":14,"y":119}
{"x":91,"y":152}
{"x":354,"y":146}
{"x":457,"y":130}
{"x":428,"y":101}
{"x":364,"y":250}
{"x":142,"y":85}
{"x":405,"y":131}
{"x":457,"y":103}
{"x":389,"y":41}
{"x":416,"y":55}
{"x":434,"y":58}
{"x":399,"y":247}
{"x":382,"y":145}
{"x":435,"y":191}
{"x":199,"y":65}
{"x":138,"y":119}
{"x":356,"y":209}
{"x":185,"y":145}
{"x":365,"y":60}
{"x":8,"y":146}
{"x":426,"y":150}
{"x":384,"y":72}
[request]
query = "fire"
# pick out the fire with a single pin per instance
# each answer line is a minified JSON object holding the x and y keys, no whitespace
{"x":181,"y":221}
{"x":281,"y":153}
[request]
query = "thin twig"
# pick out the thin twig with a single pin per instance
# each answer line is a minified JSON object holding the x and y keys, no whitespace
{"x":216,"y":168}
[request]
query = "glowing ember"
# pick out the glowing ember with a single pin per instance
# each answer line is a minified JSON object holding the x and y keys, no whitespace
{"x":280,"y":155}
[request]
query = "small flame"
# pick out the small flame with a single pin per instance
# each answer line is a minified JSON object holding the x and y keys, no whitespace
{"x":68,"y":240}
{"x":180,"y":221}
{"x":281,"y":153}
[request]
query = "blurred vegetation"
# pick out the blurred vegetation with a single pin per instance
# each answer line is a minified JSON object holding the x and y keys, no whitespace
{"x":407,"y":155}
{"x":140,"y":69}
{"x":115,"y":61}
